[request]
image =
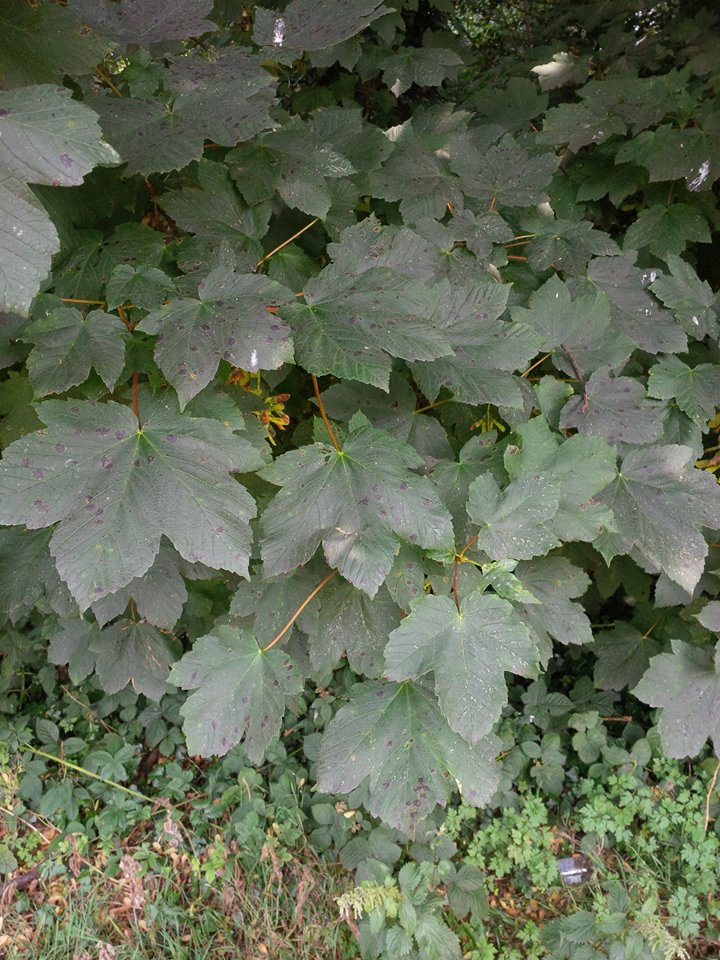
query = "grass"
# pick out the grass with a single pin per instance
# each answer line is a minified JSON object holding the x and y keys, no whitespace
{"x":281,"y":911}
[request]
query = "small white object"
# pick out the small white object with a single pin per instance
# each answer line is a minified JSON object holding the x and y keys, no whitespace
{"x":279,"y":32}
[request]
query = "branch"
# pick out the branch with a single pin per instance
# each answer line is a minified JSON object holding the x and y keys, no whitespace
{"x":272,"y":253}
{"x":299,"y":610}
{"x":579,"y":374}
{"x":324,"y":415}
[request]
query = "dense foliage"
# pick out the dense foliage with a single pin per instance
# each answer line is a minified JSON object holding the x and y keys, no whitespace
{"x":337,"y":360}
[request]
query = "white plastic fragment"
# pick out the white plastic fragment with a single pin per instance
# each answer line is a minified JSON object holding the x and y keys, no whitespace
{"x":279,"y":32}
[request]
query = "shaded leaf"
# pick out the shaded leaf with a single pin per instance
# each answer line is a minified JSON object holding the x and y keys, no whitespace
{"x":395,"y":736}
{"x":623,"y":655}
{"x":468,"y":651}
{"x":359,"y":502}
{"x":239,"y":692}
{"x":137,"y":653}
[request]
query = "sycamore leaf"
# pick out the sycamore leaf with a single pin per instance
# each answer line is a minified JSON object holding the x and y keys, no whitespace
{"x":417,"y":173}
{"x":581,"y":326}
{"x":292,"y":162}
{"x":453,"y":480}
{"x":25,"y":567}
{"x":214,"y":208}
{"x":351,"y":624}
{"x":671,"y":154}
{"x":143,"y":286}
{"x":114,"y":490}
{"x":229,"y":320}
{"x":686,"y":684}
{"x":468,"y":651}
{"x":505,"y":174}
{"x":690,"y":298}
{"x":623,"y":655}
{"x":46,"y":138}
{"x":661,"y":502}
{"x":16,"y":406}
{"x":133,"y":21}
{"x":665,"y":231}
{"x":554,"y":582}
{"x":159,"y":595}
{"x":426,"y":66}
{"x":225,"y":99}
{"x":696,"y":390}
{"x":239,"y":691}
{"x":137,"y":653}
{"x":709,"y":616}
{"x":579,"y":124}
{"x":567,"y":245}
{"x":68,"y":345}
{"x":485,"y":350}
{"x":71,"y":644}
{"x":551,"y":496}
{"x":353,"y":325}
{"x":394,"y":736}
{"x":359,"y":502}
{"x":634,"y":312}
{"x":308,"y":25}
{"x":40,"y":44}
{"x":616,"y":409}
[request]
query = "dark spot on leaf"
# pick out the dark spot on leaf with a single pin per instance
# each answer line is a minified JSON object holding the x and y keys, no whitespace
{"x":38,"y":474}
{"x":25,"y":462}
{"x":60,"y":447}
{"x":41,"y":506}
{"x":171,"y":438}
{"x":119,"y":434}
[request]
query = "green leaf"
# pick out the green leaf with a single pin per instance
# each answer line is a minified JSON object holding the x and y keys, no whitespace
{"x":426,"y":66}
{"x":18,"y":413}
{"x":468,"y":651}
{"x":634,"y":312}
{"x":137,"y":653}
{"x":25,"y":566}
{"x":71,"y":644}
{"x":226,"y":99}
{"x":551,"y":496}
{"x":307,"y":25}
{"x":696,"y":390}
{"x":359,"y":502}
{"x":394,"y":736}
{"x":159,"y":595}
{"x":686,"y":684}
{"x":292,"y":162}
{"x":505,"y":173}
{"x":417,"y":172}
{"x":672,"y":154}
{"x":68,"y":345}
{"x":623,"y":655}
{"x":134,"y":22}
{"x":351,"y":624}
{"x":661,"y":502}
{"x":352,"y":326}
{"x":239,"y":691}
{"x":47,"y":138}
{"x":709,"y":616}
{"x":40,"y":44}
{"x":229,"y":320}
{"x":214,"y":208}
{"x":485,"y":350}
{"x":554,"y":582}
{"x":616,"y":409}
{"x":114,"y":490}
{"x":690,"y":298}
{"x":142,"y":286}
{"x":665,"y":231}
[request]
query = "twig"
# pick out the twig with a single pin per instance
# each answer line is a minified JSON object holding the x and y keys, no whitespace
{"x":272,"y":253}
{"x":135,"y":404}
{"x":87,"y":773}
{"x":459,"y":558}
{"x":299,"y":610}
{"x":709,"y":795}
{"x":323,"y":414}
{"x":536,"y":364}
{"x":97,"y":303}
{"x":579,"y":374}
